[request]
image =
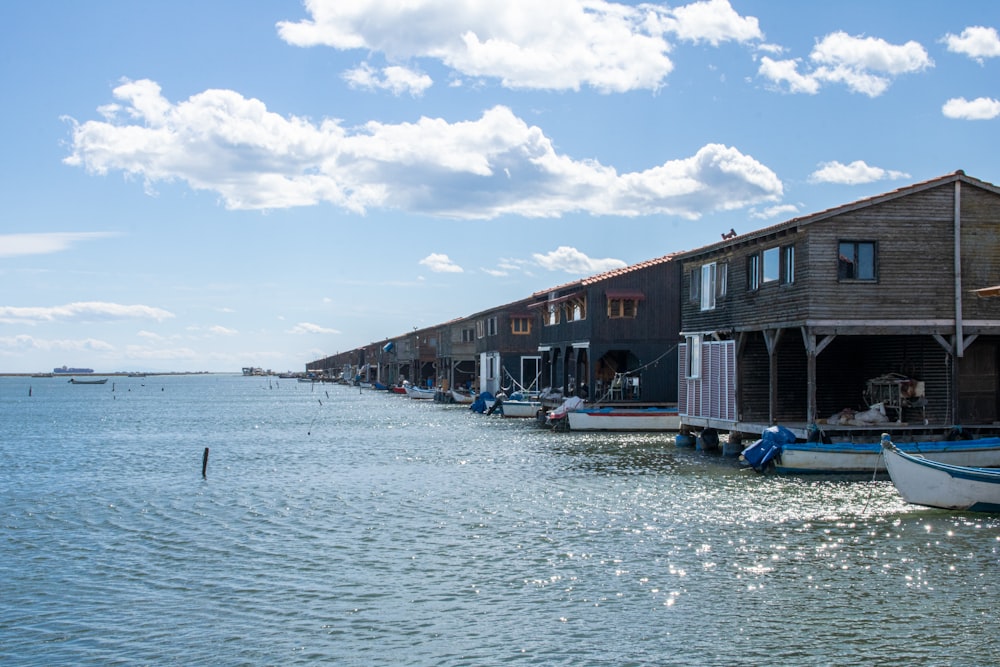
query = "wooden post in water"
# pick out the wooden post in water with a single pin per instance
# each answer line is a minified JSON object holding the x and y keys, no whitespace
{"x":204,"y":464}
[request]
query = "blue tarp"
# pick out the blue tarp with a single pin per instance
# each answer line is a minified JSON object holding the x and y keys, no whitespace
{"x":760,"y":453}
{"x":479,"y":405}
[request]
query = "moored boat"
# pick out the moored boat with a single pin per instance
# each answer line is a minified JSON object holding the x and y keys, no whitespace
{"x":934,"y":484}
{"x":613,"y":418}
{"x":417,"y":392}
{"x":852,"y":458}
{"x":78,"y":381}
{"x":462,"y":397}
{"x":521,"y":408}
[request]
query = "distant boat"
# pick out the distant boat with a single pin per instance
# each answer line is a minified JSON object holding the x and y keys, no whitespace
{"x":77,"y":381}
{"x":64,"y":370}
{"x":933,"y":484}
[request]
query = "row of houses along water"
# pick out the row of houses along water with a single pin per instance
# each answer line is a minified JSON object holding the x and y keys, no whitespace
{"x":889,"y":300}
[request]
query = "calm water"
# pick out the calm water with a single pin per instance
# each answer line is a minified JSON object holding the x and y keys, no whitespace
{"x":358,"y":528}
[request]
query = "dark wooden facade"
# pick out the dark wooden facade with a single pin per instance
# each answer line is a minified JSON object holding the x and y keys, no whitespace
{"x":506,"y":344}
{"x":613,"y":335}
{"x":456,"y":360}
{"x":804,"y":315}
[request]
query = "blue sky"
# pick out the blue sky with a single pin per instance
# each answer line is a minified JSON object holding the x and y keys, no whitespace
{"x":201,"y":186}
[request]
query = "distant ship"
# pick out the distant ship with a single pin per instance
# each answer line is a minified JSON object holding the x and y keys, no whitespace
{"x":74,"y":371}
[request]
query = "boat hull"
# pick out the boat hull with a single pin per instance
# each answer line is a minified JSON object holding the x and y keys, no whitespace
{"x":924,"y":482}
{"x":461,"y":397}
{"x":624,"y":419}
{"x":802,"y":458}
{"x":422,"y":394}
{"x":521,"y":409}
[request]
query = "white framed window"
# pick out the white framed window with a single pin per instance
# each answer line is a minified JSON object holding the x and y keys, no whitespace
{"x":708,"y":277}
{"x":692,"y":370}
{"x":788,"y":265}
{"x":772,"y":272}
{"x":753,"y":272}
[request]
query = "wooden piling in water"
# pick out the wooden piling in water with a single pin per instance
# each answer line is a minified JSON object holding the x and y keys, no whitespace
{"x":204,"y":464}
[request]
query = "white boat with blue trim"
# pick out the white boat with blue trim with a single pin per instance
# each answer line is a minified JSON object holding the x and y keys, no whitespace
{"x":625,"y":419}
{"x":933,"y":484}
{"x":777,"y":449}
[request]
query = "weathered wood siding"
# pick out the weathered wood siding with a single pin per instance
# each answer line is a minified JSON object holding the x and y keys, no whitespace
{"x":915,"y":263}
{"x":980,"y":252}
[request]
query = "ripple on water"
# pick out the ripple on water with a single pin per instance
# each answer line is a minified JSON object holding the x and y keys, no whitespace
{"x":362,"y":528}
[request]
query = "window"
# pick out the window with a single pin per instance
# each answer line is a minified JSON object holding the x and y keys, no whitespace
{"x":623,"y":308}
{"x":721,"y":278}
{"x":576,"y":310}
{"x":856,"y":260}
{"x":480,"y":329}
{"x":708,"y":286}
{"x":695,"y":295}
{"x":771,"y":271}
{"x":520,"y":326}
{"x":491,"y":326}
{"x":552,"y":316}
{"x":788,"y":265}
{"x":468,"y":335}
{"x":753,"y":273}
{"x":693,"y":366}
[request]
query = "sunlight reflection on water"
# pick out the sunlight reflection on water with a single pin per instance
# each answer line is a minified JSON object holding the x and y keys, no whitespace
{"x":363,"y":528}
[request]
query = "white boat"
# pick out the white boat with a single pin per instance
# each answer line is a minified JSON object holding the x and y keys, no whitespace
{"x":924,"y":482}
{"x":613,"y":418}
{"x":520,"y":408}
{"x":461,"y":397}
{"x":417,"y":392}
{"x":846,"y":458}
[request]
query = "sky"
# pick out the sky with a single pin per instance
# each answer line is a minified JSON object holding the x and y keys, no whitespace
{"x":202,"y":186}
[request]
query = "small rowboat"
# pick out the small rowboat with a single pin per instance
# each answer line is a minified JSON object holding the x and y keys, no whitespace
{"x":933,"y":484}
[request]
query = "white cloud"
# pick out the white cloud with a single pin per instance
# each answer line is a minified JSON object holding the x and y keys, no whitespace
{"x":977,"y":42}
{"x":571,"y":260}
{"x":713,"y":21}
{"x":25,"y":342}
{"x":855,"y":173}
{"x":395,"y":79}
{"x":87,"y":311}
{"x":309,"y":328}
{"x":787,"y":71}
{"x":15,"y":245}
{"x":783,"y":210}
{"x":222,"y":331}
{"x":981,"y":108}
{"x":553,"y":45}
{"x":864,"y":64}
{"x":494,"y":165}
{"x":439,"y":263}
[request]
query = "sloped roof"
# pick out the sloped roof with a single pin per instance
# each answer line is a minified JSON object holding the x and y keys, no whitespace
{"x":607,"y":275}
{"x":843,"y":208}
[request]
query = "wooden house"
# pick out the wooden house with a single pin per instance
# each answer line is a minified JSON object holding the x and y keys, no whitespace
{"x":880,"y":302}
{"x":613,"y":336}
{"x":506,"y":344}
{"x":456,"y":354}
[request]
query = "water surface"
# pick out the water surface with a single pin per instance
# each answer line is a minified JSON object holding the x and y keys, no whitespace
{"x":354,"y":527}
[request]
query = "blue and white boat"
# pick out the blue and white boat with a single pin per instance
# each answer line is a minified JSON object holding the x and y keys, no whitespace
{"x":625,"y":419}
{"x":933,"y":484}
{"x":855,"y":458}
